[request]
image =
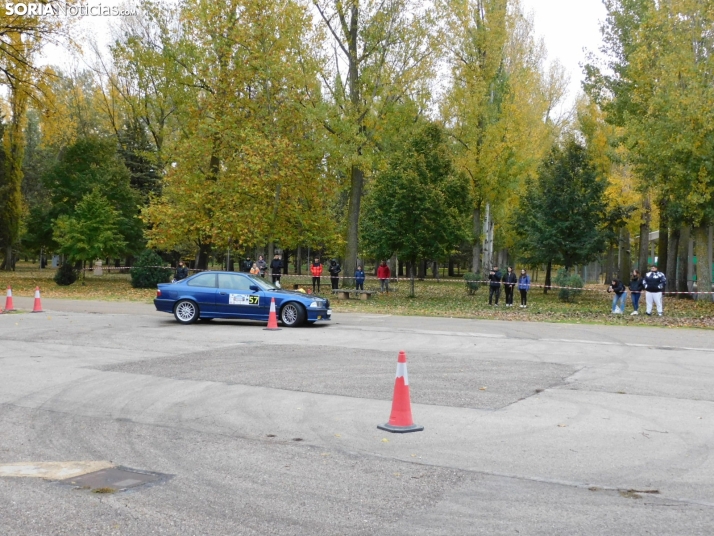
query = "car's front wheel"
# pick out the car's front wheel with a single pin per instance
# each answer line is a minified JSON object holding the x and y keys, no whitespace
{"x":292,"y":315}
{"x":186,"y":312}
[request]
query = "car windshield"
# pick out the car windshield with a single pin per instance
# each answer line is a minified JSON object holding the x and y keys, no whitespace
{"x":262,"y":283}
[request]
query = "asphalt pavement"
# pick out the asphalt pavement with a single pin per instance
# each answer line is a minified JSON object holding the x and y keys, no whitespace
{"x":529,"y":428}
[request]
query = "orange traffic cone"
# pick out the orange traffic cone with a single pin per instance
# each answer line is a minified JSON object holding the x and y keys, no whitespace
{"x":273,"y":317}
{"x":38,"y":304}
{"x":400,"y":421}
{"x":8,"y":301}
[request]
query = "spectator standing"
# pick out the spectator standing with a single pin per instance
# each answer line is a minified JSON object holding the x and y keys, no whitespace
{"x":181,"y":272}
{"x":246,"y":265}
{"x":254,"y":270}
{"x":262,"y":266}
{"x":334,"y":270}
{"x":276,"y":269}
{"x":524,"y":285}
{"x":316,"y":271}
{"x":383,"y":274}
{"x":359,"y":278}
{"x":494,"y":290}
{"x":509,"y":283}
{"x":637,"y":287}
{"x":618,"y":300}
{"x":655,"y":283}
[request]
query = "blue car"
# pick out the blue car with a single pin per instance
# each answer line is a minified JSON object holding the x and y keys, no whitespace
{"x":210,"y":295}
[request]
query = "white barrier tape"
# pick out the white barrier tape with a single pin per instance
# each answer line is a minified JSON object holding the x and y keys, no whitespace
{"x":407,"y":279}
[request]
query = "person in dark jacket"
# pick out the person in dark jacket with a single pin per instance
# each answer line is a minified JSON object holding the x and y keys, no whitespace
{"x":359,"y":278}
{"x":618,"y":300}
{"x":276,"y":269}
{"x":246,"y":265}
{"x":262,"y":266}
{"x":181,"y":272}
{"x":316,"y":271}
{"x":524,"y":285}
{"x":637,"y":288}
{"x":334,"y":270}
{"x":494,"y":276}
{"x":655,"y":283}
{"x":509,"y":283}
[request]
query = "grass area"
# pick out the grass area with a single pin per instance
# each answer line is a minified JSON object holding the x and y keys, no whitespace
{"x":447,"y":298}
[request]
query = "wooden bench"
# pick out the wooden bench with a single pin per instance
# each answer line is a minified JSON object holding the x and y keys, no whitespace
{"x":344,"y":293}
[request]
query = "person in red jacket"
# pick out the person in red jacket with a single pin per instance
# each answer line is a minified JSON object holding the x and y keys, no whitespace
{"x":316,"y":271}
{"x":383,"y":274}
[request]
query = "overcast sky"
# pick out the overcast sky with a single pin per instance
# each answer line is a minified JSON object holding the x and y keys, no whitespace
{"x":568,"y":27}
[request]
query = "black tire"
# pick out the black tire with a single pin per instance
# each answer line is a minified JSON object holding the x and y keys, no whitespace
{"x":186,"y":312}
{"x":292,"y":315}
{"x":206,"y":319}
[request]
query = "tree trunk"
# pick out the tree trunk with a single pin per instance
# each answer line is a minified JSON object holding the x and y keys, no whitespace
{"x":671,"y":269}
{"x":400,"y":272}
{"x":663,"y":248}
{"x":353,"y":218}
{"x":681,"y":274}
{"x":487,"y":256}
{"x":548,"y":270}
{"x":271,"y":252}
{"x":476,"y":252}
{"x":422,"y":270}
{"x":704,"y":267}
{"x":625,"y":255}
{"x":609,"y":264}
{"x":451,"y":267}
{"x":204,"y":250}
{"x":644,"y":234}
{"x":411,"y":276}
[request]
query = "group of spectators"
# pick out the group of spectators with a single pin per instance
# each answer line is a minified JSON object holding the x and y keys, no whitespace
{"x":334,"y":269}
{"x":653,"y":283}
{"x":509,"y":280}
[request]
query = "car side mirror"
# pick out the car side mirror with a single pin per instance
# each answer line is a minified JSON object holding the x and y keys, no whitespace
{"x":254,"y":288}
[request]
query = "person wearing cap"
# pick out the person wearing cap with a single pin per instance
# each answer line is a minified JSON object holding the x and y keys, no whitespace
{"x":655,"y":283}
{"x":181,"y":272}
{"x":334,"y":270}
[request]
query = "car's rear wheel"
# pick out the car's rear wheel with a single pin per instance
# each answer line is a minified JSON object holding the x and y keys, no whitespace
{"x":186,"y":312}
{"x":292,"y":315}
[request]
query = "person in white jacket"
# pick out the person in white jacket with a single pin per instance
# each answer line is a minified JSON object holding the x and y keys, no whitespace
{"x":655,"y":283}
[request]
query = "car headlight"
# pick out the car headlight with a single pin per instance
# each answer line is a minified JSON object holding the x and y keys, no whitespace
{"x":316,"y":304}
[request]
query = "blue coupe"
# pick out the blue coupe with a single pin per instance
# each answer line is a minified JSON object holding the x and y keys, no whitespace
{"x":210,"y":295}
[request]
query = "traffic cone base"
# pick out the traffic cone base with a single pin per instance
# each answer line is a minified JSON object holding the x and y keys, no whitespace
{"x":400,"y":429}
{"x":38,"y":303}
{"x":272,"y":318}
{"x":400,"y":420}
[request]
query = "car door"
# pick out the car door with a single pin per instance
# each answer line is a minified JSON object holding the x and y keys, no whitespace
{"x":235,"y":299}
{"x":202,"y":289}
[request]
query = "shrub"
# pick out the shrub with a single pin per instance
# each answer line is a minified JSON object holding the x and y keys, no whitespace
{"x":65,"y":274}
{"x":149,"y":271}
{"x":574,"y":283}
{"x":471,"y":282}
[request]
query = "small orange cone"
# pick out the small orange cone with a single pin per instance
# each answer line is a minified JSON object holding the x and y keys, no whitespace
{"x":273,"y":317}
{"x":8,"y":301}
{"x":400,"y":421}
{"x":38,"y":304}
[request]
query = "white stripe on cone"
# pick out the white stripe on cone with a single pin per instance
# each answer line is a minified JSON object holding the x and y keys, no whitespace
{"x":272,"y":305}
{"x":9,"y":292}
{"x":402,"y":372}
{"x":37,"y":294}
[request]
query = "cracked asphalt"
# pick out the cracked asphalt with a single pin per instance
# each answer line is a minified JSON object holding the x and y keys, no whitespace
{"x":529,"y":428}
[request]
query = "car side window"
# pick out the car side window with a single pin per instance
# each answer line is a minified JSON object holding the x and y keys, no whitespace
{"x":234,"y":282}
{"x":203,"y":280}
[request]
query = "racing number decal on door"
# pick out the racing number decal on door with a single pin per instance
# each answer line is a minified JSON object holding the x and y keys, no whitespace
{"x":242,"y":299}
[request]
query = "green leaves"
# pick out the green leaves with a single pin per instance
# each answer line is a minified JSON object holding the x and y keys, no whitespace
{"x":418,"y":207}
{"x":92,"y":232}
